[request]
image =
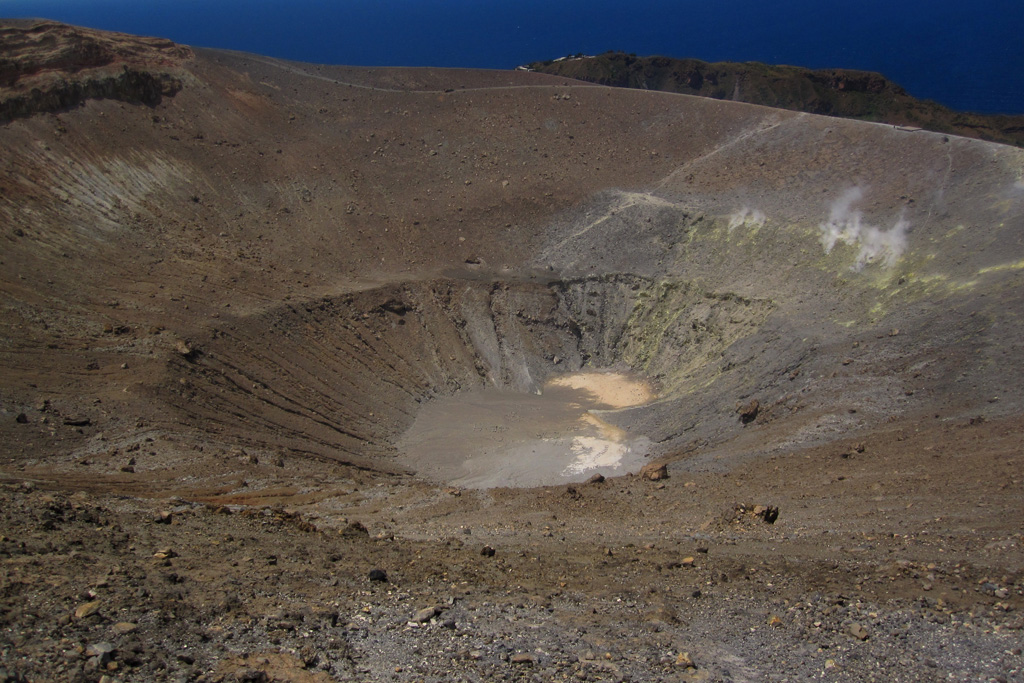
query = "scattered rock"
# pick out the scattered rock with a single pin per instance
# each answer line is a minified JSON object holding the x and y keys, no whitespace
{"x":662,"y":615}
{"x":162,"y":517}
{"x":748,"y":413}
{"x":487,"y":551}
{"x":858,"y":631}
{"x":21,"y":418}
{"x":853,"y":450}
{"x":87,"y":609}
{"x":654,"y":471}
{"x":77,"y":421}
{"x":426,"y":614}
{"x":740,"y":512}
{"x":183,"y":348}
{"x":123,"y":628}
{"x":596,"y":479}
{"x":685,"y":660}
{"x":101,"y":650}
{"x":522,"y":658}
{"x":378,"y":575}
{"x":768,"y":513}
{"x":355,"y":529}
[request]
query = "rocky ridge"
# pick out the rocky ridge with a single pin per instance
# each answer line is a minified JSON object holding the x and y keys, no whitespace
{"x":49,"y":67}
{"x":845,"y":93}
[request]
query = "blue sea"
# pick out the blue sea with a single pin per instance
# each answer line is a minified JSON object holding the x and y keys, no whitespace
{"x":966,"y":55}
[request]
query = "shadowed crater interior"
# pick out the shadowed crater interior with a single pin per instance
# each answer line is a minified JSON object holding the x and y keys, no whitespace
{"x":481,"y":364}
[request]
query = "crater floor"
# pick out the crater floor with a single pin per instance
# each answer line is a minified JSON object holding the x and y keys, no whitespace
{"x":489,"y":437}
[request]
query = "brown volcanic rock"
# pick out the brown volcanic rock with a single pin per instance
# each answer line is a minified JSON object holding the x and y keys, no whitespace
{"x":48,"y":66}
{"x":654,"y":471}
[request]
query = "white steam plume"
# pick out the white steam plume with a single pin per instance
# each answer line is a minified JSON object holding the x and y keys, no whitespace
{"x":747,"y":216}
{"x":846,"y":224}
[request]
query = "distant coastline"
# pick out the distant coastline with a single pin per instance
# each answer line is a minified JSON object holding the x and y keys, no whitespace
{"x":966,"y":57}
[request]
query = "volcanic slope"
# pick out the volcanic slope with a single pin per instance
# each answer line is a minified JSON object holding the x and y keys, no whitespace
{"x":233,"y":287}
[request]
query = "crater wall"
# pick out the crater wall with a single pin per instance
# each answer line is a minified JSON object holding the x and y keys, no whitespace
{"x":341,"y":378}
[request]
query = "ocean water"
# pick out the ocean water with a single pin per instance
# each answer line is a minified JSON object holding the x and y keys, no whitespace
{"x":968,"y":56}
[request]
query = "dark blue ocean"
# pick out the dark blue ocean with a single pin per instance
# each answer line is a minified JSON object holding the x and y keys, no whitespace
{"x":966,"y":55}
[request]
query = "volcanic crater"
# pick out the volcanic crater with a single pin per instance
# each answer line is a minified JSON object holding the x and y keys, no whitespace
{"x":384,"y":302}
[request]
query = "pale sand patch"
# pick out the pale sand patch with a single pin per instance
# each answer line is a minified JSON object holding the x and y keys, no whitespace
{"x":590,"y":453}
{"x":610,"y":388}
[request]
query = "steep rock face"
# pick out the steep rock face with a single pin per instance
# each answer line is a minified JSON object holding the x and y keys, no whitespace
{"x":849,"y":81}
{"x":137,"y":87}
{"x":784,"y":86}
{"x":845,"y":93}
{"x":49,"y":67}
